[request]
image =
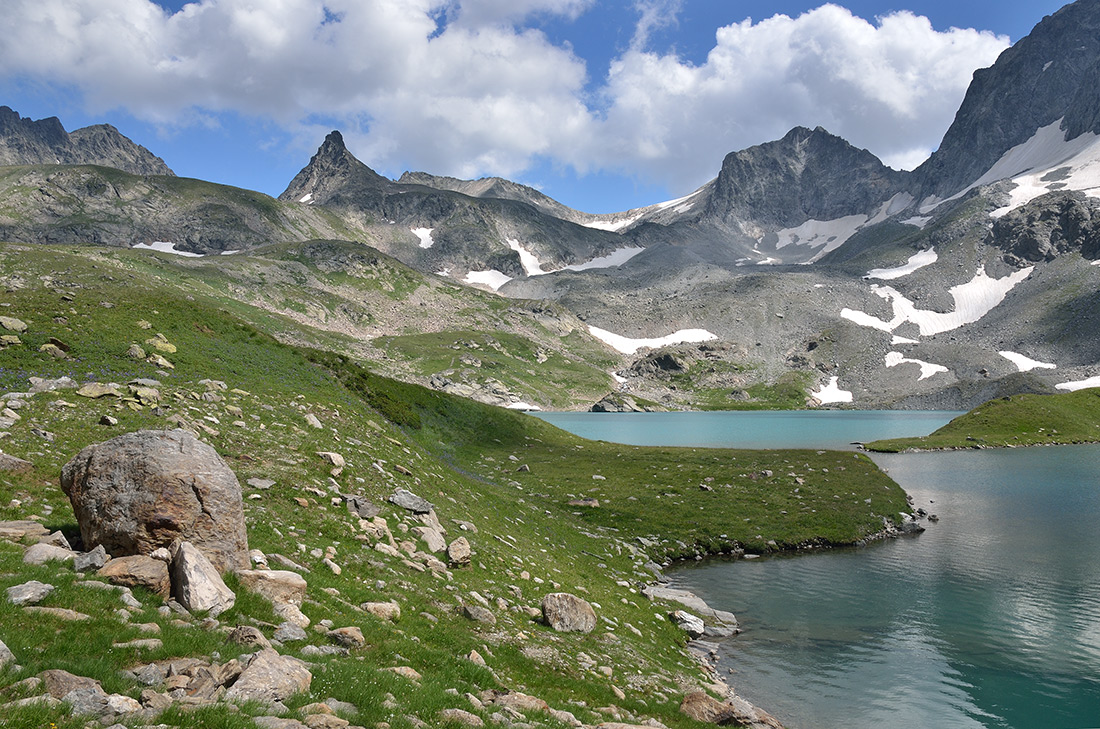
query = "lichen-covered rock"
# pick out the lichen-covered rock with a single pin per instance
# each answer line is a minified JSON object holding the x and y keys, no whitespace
{"x":146,"y":489}
{"x":458,"y":552}
{"x":568,"y":613}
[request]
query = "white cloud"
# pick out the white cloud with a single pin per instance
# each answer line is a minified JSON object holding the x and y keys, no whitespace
{"x":464,"y":87}
{"x":892,"y":87}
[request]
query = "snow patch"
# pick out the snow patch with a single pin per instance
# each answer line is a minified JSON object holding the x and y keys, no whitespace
{"x":615,"y":258}
{"x":973,"y":300}
{"x":229,"y":253}
{"x":306,"y":198}
{"x":927,"y":369}
{"x":619,"y":379}
{"x":530,"y":263}
{"x":628,"y":345}
{"x":902,"y":340}
{"x":425,"y":236}
{"x":917,"y":221}
{"x":831,"y":393}
{"x":522,"y":406}
{"x":165,"y":247}
{"x":492,"y":278}
{"x":893,"y":206}
{"x":828,"y":235}
{"x":916,"y":261}
{"x":1026,"y":364}
{"x":443,"y":272}
{"x":1096,"y":263}
{"x":612,"y":226}
{"x":769,"y":261}
{"x":1079,"y":384}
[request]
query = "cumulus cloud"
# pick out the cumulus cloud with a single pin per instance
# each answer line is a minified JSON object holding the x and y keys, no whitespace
{"x":892,"y":86}
{"x":470,"y":87}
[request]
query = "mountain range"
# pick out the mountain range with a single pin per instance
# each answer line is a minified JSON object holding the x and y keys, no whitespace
{"x":806,"y":271}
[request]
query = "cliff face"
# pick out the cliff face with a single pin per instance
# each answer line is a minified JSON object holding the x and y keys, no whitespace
{"x":1049,"y":75}
{"x":24,"y":141}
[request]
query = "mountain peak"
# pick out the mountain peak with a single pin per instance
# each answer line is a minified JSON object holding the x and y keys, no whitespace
{"x":24,"y":141}
{"x":808,"y":174}
{"x":331,"y":169}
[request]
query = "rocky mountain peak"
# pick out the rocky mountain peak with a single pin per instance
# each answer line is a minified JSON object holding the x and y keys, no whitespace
{"x":332,"y":168}
{"x":24,"y":141}
{"x":1053,"y":73}
{"x":808,"y":174}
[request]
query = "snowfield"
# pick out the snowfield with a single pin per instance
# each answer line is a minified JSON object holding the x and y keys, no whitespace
{"x":973,"y":300}
{"x":627,"y":345}
{"x":927,"y":369}
{"x":425,"y":236}
{"x":1079,"y":385}
{"x":492,"y":278}
{"x":527,"y":259}
{"x":165,"y":247}
{"x":915,"y":262}
{"x":828,"y":235}
{"x":611,"y":260}
{"x":1026,"y":364}
{"x":831,"y":393}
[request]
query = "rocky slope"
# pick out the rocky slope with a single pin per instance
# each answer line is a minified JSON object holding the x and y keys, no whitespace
{"x":24,"y":141}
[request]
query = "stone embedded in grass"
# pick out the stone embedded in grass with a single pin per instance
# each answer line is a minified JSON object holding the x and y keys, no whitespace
{"x":53,"y":350}
{"x":29,"y":593}
{"x":568,"y":613}
{"x":7,"y":658}
{"x":384,"y":610}
{"x":11,"y":464}
{"x":459,"y":552}
{"x":145,"y":489}
{"x":248,"y":635}
{"x":20,"y":529}
{"x":349,"y":637}
{"x":42,"y":552}
{"x":460,"y":716}
{"x":12,"y":324}
{"x":478,"y":614}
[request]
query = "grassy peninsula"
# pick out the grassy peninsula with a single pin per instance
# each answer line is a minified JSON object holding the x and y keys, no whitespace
{"x":502,"y":479}
{"x":1020,"y":420}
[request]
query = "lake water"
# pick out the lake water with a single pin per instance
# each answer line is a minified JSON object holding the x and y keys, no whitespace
{"x":991,"y":618}
{"x":771,"y":429}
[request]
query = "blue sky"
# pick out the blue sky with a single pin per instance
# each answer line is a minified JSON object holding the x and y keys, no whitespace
{"x":604,"y":105}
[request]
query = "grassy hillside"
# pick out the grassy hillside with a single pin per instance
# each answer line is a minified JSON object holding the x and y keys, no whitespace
{"x":1020,"y":420}
{"x":463,"y":456}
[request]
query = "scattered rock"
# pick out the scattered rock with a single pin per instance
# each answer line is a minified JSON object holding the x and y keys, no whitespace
{"x":432,"y":537}
{"x":93,"y":560}
{"x":458,"y":552}
{"x":138,"y":571}
{"x":361,"y":507}
{"x":350,"y":637}
{"x":460,"y":716}
{"x":60,"y":683}
{"x":135,"y":352}
{"x":25,"y":528}
{"x":406,"y":671}
{"x":29,"y":593}
{"x":96,"y":390}
{"x":313,"y":422}
{"x":410,"y":501}
{"x":587,"y":502}
{"x":568,"y":613}
{"x":248,"y":635}
{"x":478,"y":614}
{"x":290,"y":633}
{"x":7,"y":658}
{"x":384,"y":610}
{"x":197,"y":584}
{"x":146,"y":489}
{"x":58,"y":613}
{"x":270,"y":677}
{"x":11,"y":464}
{"x":701,"y":707}
{"x":13,"y":325}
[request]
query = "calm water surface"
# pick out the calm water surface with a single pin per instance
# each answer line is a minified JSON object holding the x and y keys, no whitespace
{"x":784,"y":429}
{"x":991,"y":618}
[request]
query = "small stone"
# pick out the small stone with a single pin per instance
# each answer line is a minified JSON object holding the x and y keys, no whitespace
{"x":11,"y":464}
{"x":478,"y":614}
{"x":313,"y":422}
{"x":135,"y":352}
{"x":58,"y":613}
{"x":290,"y":633}
{"x":461,"y":716}
{"x":29,"y":593}
{"x":109,"y":421}
{"x":7,"y":658}
{"x":384,"y":610}
{"x":350,"y":637}
{"x":138,"y":571}
{"x":406,"y":671}
{"x":150,"y":644}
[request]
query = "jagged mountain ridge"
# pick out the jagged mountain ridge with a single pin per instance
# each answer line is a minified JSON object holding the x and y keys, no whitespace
{"x":26,"y":142}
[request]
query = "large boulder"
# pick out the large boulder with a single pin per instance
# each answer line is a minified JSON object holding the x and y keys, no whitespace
{"x":568,"y":613}
{"x":270,"y":677}
{"x":146,"y":489}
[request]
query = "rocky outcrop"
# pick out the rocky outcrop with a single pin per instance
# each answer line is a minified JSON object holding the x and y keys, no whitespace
{"x":1049,"y":226}
{"x":146,"y":489}
{"x":808,"y":174}
{"x":699,"y":706}
{"x":45,"y":142}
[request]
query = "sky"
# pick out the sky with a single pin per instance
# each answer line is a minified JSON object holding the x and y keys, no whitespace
{"x":604,"y":105}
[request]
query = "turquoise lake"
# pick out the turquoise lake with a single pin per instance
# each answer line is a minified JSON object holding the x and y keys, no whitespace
{"x":991,"y":618}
